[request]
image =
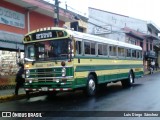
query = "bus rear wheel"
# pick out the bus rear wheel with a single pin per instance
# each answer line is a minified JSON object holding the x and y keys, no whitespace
{"x":91,"y":86}
{"x":128,"y":82}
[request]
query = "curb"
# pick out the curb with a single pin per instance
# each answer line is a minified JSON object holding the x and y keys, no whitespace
{"x":11,"y":97}
{"x":7,"y":98}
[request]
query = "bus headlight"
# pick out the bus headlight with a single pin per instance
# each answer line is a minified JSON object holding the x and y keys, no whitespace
{"x":30,"y":81}
{"x":27,"y":73}
{"x":63,"y":72}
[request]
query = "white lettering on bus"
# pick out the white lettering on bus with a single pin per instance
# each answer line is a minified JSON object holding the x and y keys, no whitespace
{"x":44,"y":35}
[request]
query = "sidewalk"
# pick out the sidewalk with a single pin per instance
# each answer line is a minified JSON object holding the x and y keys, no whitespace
{"x":11,"y":92}
{"x":8,"y":94}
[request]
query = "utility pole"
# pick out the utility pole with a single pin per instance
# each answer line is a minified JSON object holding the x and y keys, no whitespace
{"x":56,"y":13}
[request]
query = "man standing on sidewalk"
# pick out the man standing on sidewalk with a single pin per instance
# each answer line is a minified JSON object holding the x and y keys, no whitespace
{"x":19,"y":79}
{"x":152,"y":65}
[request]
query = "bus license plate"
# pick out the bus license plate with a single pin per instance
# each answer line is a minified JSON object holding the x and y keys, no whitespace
{"x":44,"y":88}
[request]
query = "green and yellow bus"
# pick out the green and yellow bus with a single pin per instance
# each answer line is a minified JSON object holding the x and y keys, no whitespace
{"x":58,"y":59}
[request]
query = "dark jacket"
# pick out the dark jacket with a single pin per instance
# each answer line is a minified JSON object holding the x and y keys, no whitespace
{"x":19,"y":79}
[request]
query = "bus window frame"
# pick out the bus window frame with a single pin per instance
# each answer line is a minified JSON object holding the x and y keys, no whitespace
{"x":140,"y":54}
{"x":111,"y":56}
{"x":135,"y":53}
{"x":124,"y":56}
{"x":103,"y":44}
{"x":78,"y":40}
{"x":88,"y":41}
{"x":130,"y":53}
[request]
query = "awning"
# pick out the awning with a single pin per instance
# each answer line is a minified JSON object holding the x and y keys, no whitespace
{"x":134,"y":33}
{"x":150,"y":54}
{"x":11,"y":41}
{"x":152,"y":37}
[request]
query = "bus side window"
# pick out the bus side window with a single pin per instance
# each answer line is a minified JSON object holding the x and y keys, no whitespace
{"x":93,"y":48}
{"x":87,"y":48}
{"x":121,"y":52}
{"x":100,"y":49}
{"x":133,"y":53}
{"x":112,"y":50}
{"x":139,"y":54}
{"x":128,"y":52}
{"x":78,"y":47}
{"x":105,"y":51}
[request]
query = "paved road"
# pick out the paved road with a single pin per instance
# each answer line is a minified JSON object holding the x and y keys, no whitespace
{"x":143,"y":96}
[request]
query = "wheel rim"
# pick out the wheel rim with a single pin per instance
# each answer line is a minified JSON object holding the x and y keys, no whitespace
{"x":131,"y":78}
{"x":91,"y":85}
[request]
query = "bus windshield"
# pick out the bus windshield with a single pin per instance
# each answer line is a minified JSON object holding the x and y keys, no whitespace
{"x":48,"y":50}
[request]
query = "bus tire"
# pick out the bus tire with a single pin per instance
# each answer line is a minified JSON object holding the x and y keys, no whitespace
{"x":91,"y":87}
{"x":129,"y":81}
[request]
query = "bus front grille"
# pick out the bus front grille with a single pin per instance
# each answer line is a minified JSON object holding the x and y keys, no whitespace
{"x":45,"y":73}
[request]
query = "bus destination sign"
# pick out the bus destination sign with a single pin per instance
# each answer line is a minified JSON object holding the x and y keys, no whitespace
{"x":48,"y":34}
{"x":43,"y":35}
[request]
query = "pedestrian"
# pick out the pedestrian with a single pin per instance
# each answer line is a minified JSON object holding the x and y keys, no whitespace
{"x":153,"y":64}
{"x":19,"y":79}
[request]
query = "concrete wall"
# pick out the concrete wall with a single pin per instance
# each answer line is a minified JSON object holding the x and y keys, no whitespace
{"x":116,"y":21}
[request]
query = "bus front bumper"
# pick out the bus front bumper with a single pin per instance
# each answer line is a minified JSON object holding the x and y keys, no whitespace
{"x":60,"y":84}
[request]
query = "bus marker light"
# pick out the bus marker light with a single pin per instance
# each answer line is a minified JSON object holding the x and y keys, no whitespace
{"x":26,"y":66}
{"x":30,"y":81}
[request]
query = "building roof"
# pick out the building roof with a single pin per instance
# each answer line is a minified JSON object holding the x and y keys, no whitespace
{"x":108,"y":12}
{"x":45,"y":8}
{"x":139,"y":35}
{"x":154,"y":26}
{"x":133,"y":33}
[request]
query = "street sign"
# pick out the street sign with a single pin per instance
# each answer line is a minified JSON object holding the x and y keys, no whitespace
{"x":102,"y":29}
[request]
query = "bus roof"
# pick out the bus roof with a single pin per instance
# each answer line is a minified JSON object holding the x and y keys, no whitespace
{"x":89,"y":37}
{"x":102,"y":40}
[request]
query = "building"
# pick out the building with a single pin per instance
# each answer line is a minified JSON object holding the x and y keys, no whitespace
{"x":126,"y":29}
{"x":79,"y":25}
{"x":17,"y":17}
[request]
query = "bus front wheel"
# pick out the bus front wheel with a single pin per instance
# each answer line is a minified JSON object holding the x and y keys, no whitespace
{"x":91,"y":86}
{"x":128,"y":82}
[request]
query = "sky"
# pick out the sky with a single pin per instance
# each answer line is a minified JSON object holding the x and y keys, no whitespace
{"x":148,"y":10}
